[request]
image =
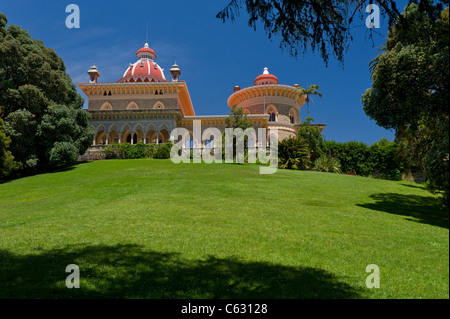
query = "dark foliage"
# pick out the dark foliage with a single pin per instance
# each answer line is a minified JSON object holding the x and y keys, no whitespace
{"x":378,"y":160}
{"x":39,"y":103}
{"x":324,"y":25}
{"x":410,"y":92}
{"x":293,"y":153}
{"x":139,"y":150}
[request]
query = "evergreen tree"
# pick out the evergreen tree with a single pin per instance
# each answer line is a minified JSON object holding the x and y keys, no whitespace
{"x":7,"y":163}
{"x":410,"y":92}
{"x":39,"y":102}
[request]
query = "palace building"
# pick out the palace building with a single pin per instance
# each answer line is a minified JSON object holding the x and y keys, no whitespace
{"x":144,"y":106}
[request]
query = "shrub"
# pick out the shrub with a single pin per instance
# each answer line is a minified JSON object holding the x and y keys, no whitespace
{"x":313,"y":138}
{"x":139,"y":150}
{"x":114,"y":151}
{"x":293,"y":153}
{"x":63,"y":153}
{"x":129,"y":151}
{"x":162,"y":151}
{"x":378,"y":160}
{"x":327,"y":163}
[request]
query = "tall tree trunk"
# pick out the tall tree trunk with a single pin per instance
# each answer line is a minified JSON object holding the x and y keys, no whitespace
{"x":307,"y":107}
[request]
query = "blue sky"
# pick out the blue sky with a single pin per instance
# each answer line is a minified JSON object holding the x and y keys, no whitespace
{"x":213,"y":56}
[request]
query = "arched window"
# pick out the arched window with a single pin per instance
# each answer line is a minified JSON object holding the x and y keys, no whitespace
{"x":293,"y":116}
{"x":271,"y":117}
{"x":106,"y":106}
{"x":272,"y":111}
{"x":158,"y":105}
{"x":132,"y":106}
{"x":101,"y":137}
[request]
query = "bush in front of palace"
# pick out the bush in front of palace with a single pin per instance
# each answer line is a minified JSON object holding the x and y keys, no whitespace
{"x":139,"y":150}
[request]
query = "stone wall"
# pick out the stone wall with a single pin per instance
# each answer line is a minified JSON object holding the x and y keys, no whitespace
{"x":93,"y":153}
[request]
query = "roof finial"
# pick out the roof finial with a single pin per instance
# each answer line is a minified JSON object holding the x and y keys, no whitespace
{"x":146,"y":36}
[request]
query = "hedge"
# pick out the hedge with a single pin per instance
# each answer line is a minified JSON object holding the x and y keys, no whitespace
{"x":139,"y":150}
{"x":378,"y":160}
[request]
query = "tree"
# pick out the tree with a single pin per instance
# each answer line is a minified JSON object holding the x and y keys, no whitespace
{"x":312,"y":137}
{"x":7,"y":163}
{"x":312,"y":90}
{"x":40,"y":104}
{"x":410,"y":91}
{"x":322,"y":25}
{"x":62,"y":125}
{"x":237,"y":118}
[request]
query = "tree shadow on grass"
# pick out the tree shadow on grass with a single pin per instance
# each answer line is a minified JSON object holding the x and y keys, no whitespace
{"x":42,"y":170}
{"x":422,"y":209}
{"x":419,"y":186}
{"x":128,"y":271}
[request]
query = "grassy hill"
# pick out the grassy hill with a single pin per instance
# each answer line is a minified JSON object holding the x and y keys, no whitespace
{"x":153,"y":229}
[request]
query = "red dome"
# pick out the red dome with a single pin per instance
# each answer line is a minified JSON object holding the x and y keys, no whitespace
{"x":146,"y":49}
{"x":145,"y":69}
{"x":266,"y":78}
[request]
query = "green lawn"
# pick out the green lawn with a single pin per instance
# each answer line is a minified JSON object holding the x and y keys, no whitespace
{"x":153,"y":229}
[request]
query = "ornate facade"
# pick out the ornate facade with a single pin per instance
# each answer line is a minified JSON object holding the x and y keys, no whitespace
{"x":144,"y":106}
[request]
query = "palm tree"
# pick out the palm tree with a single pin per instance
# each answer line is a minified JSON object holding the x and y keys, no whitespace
{"x":312,"y":90}
{"x":373,"y":64}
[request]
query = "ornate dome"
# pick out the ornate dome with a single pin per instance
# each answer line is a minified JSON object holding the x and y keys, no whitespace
{"x":266,"y":78}
{"x":145,"y":69}
{"x":146,"y":52}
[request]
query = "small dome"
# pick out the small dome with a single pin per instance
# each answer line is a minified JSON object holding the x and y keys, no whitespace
{"x":266,"y":78}
{"x":146,"y":52}
{"x":175,"y":68}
